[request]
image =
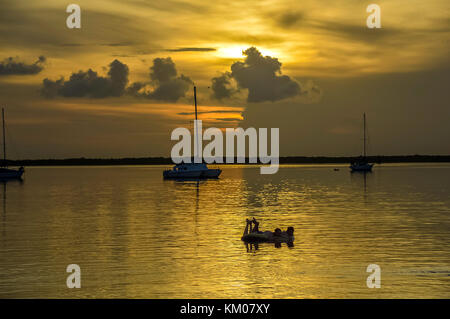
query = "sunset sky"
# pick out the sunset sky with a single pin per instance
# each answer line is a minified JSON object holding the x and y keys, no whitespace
{"x":310,"y":68}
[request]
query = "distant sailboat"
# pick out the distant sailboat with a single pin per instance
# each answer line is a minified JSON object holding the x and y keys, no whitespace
{"x":7,"y":173}
{"x":361,"y":165}
{"x":192,"y":170}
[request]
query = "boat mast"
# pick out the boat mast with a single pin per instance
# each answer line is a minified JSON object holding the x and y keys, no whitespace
{"x":364,"y":119}
{"x":4,"y":143}
{"x":195,"y":101}
{"x":195,"y":123}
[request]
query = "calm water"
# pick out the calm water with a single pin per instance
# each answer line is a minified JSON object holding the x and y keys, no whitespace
{"x":135,"y":235}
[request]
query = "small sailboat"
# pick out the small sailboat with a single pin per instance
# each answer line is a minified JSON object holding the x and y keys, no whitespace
{"x":192,"y":170}
{"x":361,"y":164}
{"x":5,"y":172}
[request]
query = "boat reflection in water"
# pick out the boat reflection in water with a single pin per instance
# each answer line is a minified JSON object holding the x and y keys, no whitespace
{"x":253,"y":247}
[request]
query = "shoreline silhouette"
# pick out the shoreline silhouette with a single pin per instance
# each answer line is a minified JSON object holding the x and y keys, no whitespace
{"x":82,"y":161}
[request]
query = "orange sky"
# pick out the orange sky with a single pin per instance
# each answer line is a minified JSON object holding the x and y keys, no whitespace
{"x":324,"y":47}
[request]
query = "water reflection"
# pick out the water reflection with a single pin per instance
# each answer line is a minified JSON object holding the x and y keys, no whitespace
{"x":4,"y":208}
{"x":4,"y":183}
{"x":253,"y":247}
{"x":362,"y":178}
{"x":135,"y":235}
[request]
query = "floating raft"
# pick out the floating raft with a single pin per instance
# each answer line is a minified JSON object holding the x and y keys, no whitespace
{"x":265,"y":238}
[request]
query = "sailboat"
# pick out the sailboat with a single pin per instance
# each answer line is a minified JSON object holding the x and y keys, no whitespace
{"x":361,"y":165}
{"x":192,"y":170}
{"x":5,"y":172}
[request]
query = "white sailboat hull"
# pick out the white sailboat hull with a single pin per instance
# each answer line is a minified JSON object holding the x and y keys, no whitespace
{"x":174,"y":174}
{"x":191,"y":170}
{"x":361,"y":167}
{"x":6,"y":173}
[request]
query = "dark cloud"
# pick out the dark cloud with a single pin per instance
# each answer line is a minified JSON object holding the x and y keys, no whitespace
{"x":162,"y":70}
{"x":192,"y":50}
{"x":208,"y":112}
{"x":261,"y":75}
{"x":221,"y":86}
{"x":89,"y":83}
{"x":289,"y":19}
{"x":164,"y":83}
{"x":135,"y":89}
{"x":228,"y":119}
{"x":122,"y":55}
{"x":118,"y":75}
{"x":358,"y":32}
{"x":119,"y":44}
{"x":10,"y":66}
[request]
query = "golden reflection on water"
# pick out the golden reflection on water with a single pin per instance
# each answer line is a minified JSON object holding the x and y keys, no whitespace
{"x":135,"y":235}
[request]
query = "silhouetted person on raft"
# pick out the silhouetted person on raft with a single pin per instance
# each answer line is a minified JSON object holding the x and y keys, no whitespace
{"x":254,"y":234}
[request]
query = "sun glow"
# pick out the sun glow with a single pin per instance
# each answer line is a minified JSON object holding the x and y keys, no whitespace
{"x":236,"y":52}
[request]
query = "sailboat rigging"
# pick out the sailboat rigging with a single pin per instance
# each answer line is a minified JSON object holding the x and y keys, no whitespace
{"x":362,"y":165}
{"x":192,"y":170}
{"x":5,"y":172}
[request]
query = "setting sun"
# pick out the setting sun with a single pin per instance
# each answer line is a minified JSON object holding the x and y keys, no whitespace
{"x":237,"y":52}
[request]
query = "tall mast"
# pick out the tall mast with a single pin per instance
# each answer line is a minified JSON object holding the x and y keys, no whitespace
{"x":364,"y":119}
{"x":195,"y":101}
{"x":196,"y":123}
{"x":4,"y":143}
